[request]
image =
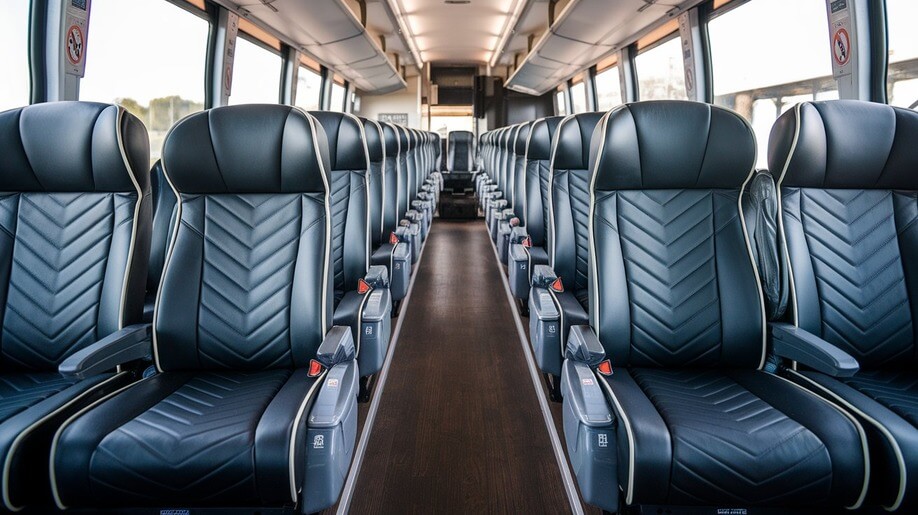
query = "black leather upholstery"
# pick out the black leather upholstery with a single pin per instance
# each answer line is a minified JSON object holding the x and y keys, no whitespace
{"x":244,"y":303}
{"x":391,"y":213}
{"x":163,"y":222}
{"x":348,"y":173}
{"x":75,"y":241}
{"x":570,"y":202}
{"x":518,"y":195}
{"x":376,"y":180}
{"x":405,"y":182}
{"x":676,"y":303}
{"x":538,"y":167}
{"x":460,"y":151}
{"x":846,"y":173}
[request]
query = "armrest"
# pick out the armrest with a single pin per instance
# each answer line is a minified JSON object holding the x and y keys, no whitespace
{"x":129,"y":344}
{"x":584,"y":347}
{"x":337,"y":347}
{"x":518,"y":234}
{"x":543,"y":276}
{"x":791,"y":342}
{"x":377,"y":276}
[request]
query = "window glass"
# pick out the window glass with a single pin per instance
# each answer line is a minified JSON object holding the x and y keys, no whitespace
{"x":443,"y":125}
{"x":608,"y":89}
{"x":308,"y":86}
{"x":578,"y":96}
{"x":761,"y":85}
{"x":14,"y":54}
{"x":337,"y":97}
{"x":659,"y":71}
{"x":256,"y":74}
{"x":902,"y":77}
{"x":164,"y":86}
{"x":560,"y":106}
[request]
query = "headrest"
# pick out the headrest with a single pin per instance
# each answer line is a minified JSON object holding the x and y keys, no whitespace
{"x":540,"y":138}
{"x":460,"y":137}
{"x":572,"y":141}
{"x":373,"y":132}
{"x":671,"y":145}
{"x":390,"y":136}
{"x":346,"y":144}
{"x":507,"y":137}
{"x":72,"y":147}
{"x":522,"y":137}
{"x":247,"y":149}
{"x":845,"y":144}
{"x":404,"y":139}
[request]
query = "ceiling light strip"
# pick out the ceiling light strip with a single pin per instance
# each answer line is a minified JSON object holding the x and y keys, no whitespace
{"x":508,"y":31}
{"x":395,"y":7}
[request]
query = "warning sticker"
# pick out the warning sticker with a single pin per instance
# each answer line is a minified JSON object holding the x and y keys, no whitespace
{"x":75,"y":45}
{"x":841,"y":46}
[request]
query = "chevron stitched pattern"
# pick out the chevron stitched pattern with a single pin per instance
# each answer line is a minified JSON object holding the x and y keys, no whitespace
{"x":21,"y":391}
{"x":60,"y":256}
{"x":578,"y":182}
{"x":250,"y":249}
{"x":729,"y":445}
{"x":667,"y":239}
{"x":854,"y":249}
{"x":215,"y":415}
{"x":340,"y":195}
{"x":897,"y":390}
{"x":544,"y":174}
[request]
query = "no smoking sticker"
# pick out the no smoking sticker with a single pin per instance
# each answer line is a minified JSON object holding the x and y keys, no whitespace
{"x":75,"y":45}
{"x":841,"y":47}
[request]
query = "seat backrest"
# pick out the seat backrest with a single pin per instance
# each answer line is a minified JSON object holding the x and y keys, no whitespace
{"x":674,"y":282}
{"x":518,"y":195}
{"x":391,"y":214}
{"x":75,"y":213}
{"x":436,"y":147}
{"x":538,"y":166}
{"x":404,"y":188}
{"x":246,"y":284}
{"x":847,"y":172}
{"x":411,"y":164}
{"x":163,"y":221}
{"x":460,"y":151}
{"x":348,"y":166}
{"x":569,"y":183}
{"x":376,"y":180}
{"x":509,"y":161}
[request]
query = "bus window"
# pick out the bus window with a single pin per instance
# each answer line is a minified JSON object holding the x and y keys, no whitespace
{"x":14,"y":54}
{"x":608,"y":89}
{"x":578,"y":95}
{"x":337,"y":97}
{"x":560,"y":106}
{"x":761,"y":83}
{"x":256,"y":74}
{"x":902,"y":77}
{"x":162,"y":87}
{"x":659,"y":71}
{"x":308,"y":86}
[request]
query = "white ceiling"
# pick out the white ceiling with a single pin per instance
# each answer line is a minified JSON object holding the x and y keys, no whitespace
{"x":464,"y":33}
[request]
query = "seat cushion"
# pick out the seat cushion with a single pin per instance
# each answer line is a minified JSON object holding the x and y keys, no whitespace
{"x":221,"y":438}
{"x":885,"y":402}
{"x":714,"y":437}
{"x":32,"y":405}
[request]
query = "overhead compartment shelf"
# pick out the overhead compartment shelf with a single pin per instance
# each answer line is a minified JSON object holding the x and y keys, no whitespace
{"x":585,"y":32}
{"x":329,"y":31}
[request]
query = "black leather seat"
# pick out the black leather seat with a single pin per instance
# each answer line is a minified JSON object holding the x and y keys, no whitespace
{"x":75,"y":240}
{"x":846,"y":171}
{"x":677,"y":308}
{"x":351,"y":240}
{"x":569,"y":242}
{"x":517,"y":188}
{"x":224,"y":422}
{"x":163,"y":220}
{"x":460,"y":151}
{"x":387,"y":246}
{"x":502,"y":209}
{"x":530,"y":243}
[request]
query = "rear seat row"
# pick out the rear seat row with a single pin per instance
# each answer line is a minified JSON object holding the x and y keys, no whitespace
{"x":721,"y":336}
{"x":279,"y":241}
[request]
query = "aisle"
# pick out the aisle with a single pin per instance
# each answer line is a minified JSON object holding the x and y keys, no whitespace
{"x":459,"y":427}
